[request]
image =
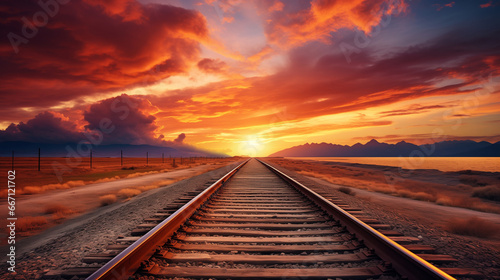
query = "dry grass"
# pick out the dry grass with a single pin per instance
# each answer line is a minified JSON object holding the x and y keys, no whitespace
{"x":376,"y":181}
{"x":346,"y":190}
{"x":128,"y":192}
{"x":107,"y":199}
{"x":105,"y":169}
{"x":475,"y":180}
{"x":56,"y":208}
{"x":158,"y":184}
{"x":473,"y":226}
{"x":58,"y":211}
{"x":489,"y":192}
{"x":31,"y":190}
{"x":26,"y":224}
{"x":44,"y":188}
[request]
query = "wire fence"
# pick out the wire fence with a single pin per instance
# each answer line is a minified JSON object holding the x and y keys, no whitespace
{"x":95,"y":161}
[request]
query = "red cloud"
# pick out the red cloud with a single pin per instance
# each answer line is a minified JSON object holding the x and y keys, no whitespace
{"x":94,"y":46}
{"x":313,"y":85}
{"x":295,"y":23}
{"x":212,"y":65}
{"x":180,"y":138}
{"x":439,"y":7}
{"x":486,"y":5}
{"x":47,"y":127}
{"x":123,"y":120}
{"x":410,"y":110}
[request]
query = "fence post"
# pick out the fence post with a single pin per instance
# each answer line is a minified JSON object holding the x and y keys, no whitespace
{"x":147,"y":158}
{"x":121,"y":157}
{"x":38,"y":159}
{"x":90,"y":158}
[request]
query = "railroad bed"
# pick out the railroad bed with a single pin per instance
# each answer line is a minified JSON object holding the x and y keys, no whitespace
{"x":260,"y":224}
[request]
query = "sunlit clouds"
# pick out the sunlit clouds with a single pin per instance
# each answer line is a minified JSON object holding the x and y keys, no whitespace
{"x":254,"y":77}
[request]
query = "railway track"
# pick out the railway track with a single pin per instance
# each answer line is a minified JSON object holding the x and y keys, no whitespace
{"x":258,"y":223}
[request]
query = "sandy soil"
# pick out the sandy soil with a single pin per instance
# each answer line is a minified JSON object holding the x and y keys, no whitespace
{"x":424,"y":220}
{"x":86,"y":197}
{"x":66,"y":244}
{"x":28,"y":175}
{"x":466,"y":189}
{"x":431,"y":213}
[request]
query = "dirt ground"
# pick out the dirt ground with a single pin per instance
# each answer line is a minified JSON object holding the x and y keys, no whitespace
{"x":66,"y":244}
{"x":38,"y":211}
{"x":425,"y":220}
{"x":57,"y":173}
{"x":83,"y":198}
{"x":466,"y":189}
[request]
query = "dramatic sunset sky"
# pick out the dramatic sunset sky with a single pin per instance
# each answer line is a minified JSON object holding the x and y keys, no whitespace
{"x":250,"y":77}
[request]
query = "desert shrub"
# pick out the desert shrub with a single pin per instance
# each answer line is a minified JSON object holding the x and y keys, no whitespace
{"x":471,"y":180}
{"x":128,"y":192}
{"x":32,"y":190}
{"x":415,"y":195}
{"x":423,"y":196}
{"x":129,"y":168}
{"x":346,"y":190}
{"x":473,"y":226}
{"x":73,"y":184}
{"x":56,"y":208}
{"x":404,"y":193}
{"x":485,"y":207}
{"x":107,"y":199}
{"x":444,"y":200}
{"x":489,"y":192}
{"x":40,"y":189}
{"x":148,"y":187}
{"x":24,"y":224}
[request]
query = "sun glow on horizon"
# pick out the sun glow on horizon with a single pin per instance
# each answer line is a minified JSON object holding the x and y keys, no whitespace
{"x":251,"y":146}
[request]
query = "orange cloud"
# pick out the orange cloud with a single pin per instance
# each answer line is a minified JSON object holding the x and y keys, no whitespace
{"x":212,"y":65}
{"x":290,"y":27}
{"x":125,"y":44}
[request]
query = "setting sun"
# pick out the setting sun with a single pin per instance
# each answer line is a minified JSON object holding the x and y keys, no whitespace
{"x":252,"y":146}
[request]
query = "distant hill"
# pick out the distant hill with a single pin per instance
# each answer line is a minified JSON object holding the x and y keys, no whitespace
{"x":455,"y":148}
{"x":26,"y":149}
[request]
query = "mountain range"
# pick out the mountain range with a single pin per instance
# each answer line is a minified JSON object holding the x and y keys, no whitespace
{"x":454,"y":148}
{"x":28,"y":149}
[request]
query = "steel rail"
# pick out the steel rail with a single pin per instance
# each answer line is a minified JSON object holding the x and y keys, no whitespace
{"x":129,"y":260}
{"x":405,"y":262}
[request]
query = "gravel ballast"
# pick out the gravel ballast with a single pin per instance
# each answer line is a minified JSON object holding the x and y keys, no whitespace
{"x":65,"y":245}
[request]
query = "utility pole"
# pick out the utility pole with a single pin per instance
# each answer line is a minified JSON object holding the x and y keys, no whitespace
{"x":38,"y":159}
